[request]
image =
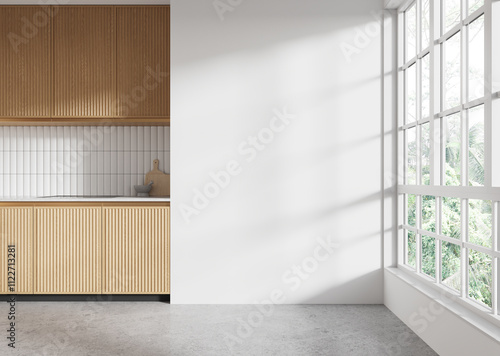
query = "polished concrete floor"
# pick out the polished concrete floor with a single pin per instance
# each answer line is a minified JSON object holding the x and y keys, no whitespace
{"x":153,"y":328}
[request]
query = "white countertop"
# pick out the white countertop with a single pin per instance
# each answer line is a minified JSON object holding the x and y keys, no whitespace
{"x":85,"y":199}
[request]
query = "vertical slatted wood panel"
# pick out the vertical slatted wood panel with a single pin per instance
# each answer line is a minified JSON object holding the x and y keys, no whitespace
{"x":16,"y":228}
{"x":143,"y":49}
{"x":136,"y":257}
{"x":67,"y":250}
{"x":25,"y":57}
{"x":84,"y":62}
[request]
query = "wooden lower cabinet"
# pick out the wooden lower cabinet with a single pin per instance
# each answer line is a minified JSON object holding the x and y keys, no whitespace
{"x":67,"y":250}
{"x":16,"y":228}
{"x":136,"y":250}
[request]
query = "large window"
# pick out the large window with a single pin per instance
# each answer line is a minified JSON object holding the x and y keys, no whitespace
{"x":448,"y":128}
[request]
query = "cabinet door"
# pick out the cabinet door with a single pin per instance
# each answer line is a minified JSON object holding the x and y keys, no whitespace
{"x":84,"y":62}
{"x":143,"y":52}
{"x":136,"y":250}
{"x":16,"y":229}
{"x":67,"y":250}
{"x":25,"y":62}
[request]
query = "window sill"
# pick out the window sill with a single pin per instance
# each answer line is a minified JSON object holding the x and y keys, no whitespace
{"x":470,"y":312}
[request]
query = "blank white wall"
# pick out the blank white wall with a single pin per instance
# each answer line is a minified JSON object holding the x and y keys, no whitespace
{"x":319,"y":177}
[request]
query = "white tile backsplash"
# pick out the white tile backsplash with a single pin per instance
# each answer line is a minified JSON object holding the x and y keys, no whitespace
{"x":79,"y":160}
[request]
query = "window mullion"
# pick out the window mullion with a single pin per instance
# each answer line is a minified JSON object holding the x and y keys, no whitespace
{"x":494,"y":261}
{"x":464,"y":256}
{"x":488,"y":90}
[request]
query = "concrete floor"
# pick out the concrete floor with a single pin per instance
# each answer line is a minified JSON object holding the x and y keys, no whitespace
{"x":147,"y":328}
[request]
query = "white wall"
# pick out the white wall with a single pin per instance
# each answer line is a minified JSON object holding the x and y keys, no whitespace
{"x":319,"y":177}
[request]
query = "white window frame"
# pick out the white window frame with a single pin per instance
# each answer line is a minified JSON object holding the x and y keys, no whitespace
{"x":491,"y":189}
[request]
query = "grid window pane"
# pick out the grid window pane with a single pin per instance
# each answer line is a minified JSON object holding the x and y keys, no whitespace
{"x":426,"y":153}
{"x":411,"y":32}
{"x":411,"y":253}
{"x":451,"y":135}
{"x":480,"y":222}
{"x":426,"y":86}
{"x":429,"y":256}
{"x":476,"y":146}
{"x":411,"y":201}
{"x":452,"y":13}
{"x":476,"y":59}
{"x":450,"y":269}
{"x":429,"y":213}
{"x":474,"y":5}
{"x":452,"y":80}
{"x":480,"y":277}
{"x":450,"y":221}
{"x":426,"y":27}
{"x":411,"y":94}
{"x":411,"y":173}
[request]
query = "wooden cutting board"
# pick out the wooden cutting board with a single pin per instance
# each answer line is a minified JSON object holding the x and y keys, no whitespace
{"x":161,"y":181}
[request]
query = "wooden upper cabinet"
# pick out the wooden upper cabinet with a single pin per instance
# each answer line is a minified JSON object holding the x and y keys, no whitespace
{"x":143,"y":56}
{"x":25,"y":62}
{"x":84,"y":62}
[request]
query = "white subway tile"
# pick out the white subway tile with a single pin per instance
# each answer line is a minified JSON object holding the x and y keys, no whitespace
{"x":26,"y":138}
{"x":120,"y":167}
{"x":100,"y":162}
{"x":73,"y":184}
{"x":140,"y":138}
{"x":114,"y":184}
{"x":128,"y":189}
{"x":73,"y":142}
{"x":6,"y":161}
{"x":93,"y":184}
{"x":66,"y":184}
{"x":33,"y":163}
{"x":33,"y":185}
{"x":100,"y":184}
{"x":133,"y":163}
{"x":1,"y":183}
{"x":147,"y":139}
{"x":107,"y":184}
{"x":19,"y":137}
{"x":79,"y":138}
{"x":87,"y":162}
{"x":120,"y":138}
{"x":39,"y":185}
{"x":7,"y":191}
{"x":107,"y":139}
{"x":59,"y":137}
{"x":39,"y":138}
{"x":93,"y":163}
{"x":127,"y":162}
{"x":46,"y":184}
{"x":59,"y":166}
{"x":107,"y":162}
{"x":145,"y":162}
{"x":46,"y":162}
{"x":166,"y":162}
{"x":114,"y":138}
{"x":60,"y":184}
{"x":154,"y":139}
{"x":17,"y":185}
{"x":33,"y":138}
{"x":160,"y":139}
{"x":100,"y":138}
{"x":80,"y":180}
{"x":1,"y":137}
{"x":66,"y":162}
{"x":13,"y":162}
{"x":67,"y":138}
{"x":166,"y":138}
{"x":133,"y":138}
{"x":6,"y":139}
{"x":87,"y":184}
{"x":113,"y":163}
{"x":119,"y":185}
{"x":27,"y":162}
{"x":46,"y":138}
